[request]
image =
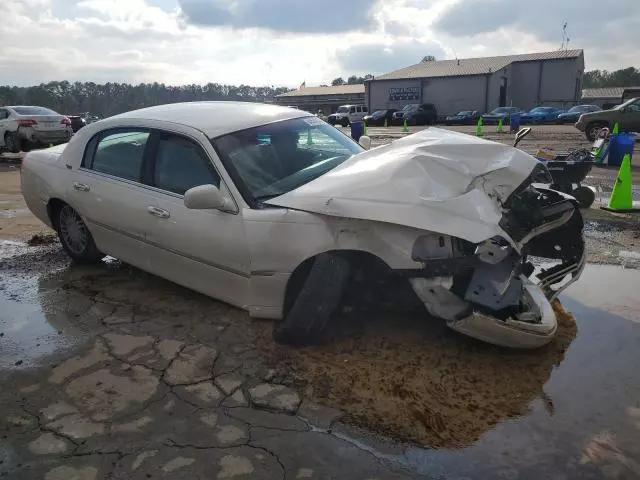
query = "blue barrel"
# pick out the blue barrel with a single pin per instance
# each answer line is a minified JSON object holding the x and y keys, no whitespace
{"x":357,"y":130}
{"x":619,"y":146}
{"x":514,"y":122}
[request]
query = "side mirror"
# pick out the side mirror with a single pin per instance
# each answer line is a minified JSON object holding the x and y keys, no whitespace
{"x":365,"y":142}
{"x":521,"y":134}
{"x":204,"y":197}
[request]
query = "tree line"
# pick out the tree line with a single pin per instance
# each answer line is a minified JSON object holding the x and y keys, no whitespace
{"x":112,"y":98}
{"x":625,"y":77}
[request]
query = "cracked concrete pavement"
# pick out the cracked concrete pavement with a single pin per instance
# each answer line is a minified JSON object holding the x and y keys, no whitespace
{"x":152,"y":384}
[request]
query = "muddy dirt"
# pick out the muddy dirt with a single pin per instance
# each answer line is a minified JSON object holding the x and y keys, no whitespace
{"x":412,"y":378}
{"x":16,"y":221}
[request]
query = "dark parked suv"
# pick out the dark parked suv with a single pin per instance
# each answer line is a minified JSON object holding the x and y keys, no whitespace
{"x":416,"y":114}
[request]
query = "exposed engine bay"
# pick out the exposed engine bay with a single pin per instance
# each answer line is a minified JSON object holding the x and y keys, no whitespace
{"x":486,"y":290}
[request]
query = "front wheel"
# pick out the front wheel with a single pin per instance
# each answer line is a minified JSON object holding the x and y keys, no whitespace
{"x":593,"y":129}
{"x":316,"y":301}
{"x":75,"y":237}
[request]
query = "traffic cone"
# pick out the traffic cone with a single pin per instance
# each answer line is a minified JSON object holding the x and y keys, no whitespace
{"x":479,"y":128}
{"x":500,"y":129}
{"x":616,"y":128}
{"x":621,"y":199}
{"x":405,"y":127}
{"x":309,"y":138}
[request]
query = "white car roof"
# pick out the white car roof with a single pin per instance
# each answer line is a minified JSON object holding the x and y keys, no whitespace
{"x":216,"y":118}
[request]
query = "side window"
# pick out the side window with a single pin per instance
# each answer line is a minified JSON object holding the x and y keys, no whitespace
{"x":352,"y":110}
{"x":118,"y":153}
{"x":3,"y":114}
{"x":365,"y":109}
{"x":181,"y":164}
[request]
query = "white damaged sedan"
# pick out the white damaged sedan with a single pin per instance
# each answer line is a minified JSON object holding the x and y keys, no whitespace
{"x":275,"y":211}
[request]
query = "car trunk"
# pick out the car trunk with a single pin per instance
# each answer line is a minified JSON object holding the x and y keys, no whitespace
{"x":46,"y":123}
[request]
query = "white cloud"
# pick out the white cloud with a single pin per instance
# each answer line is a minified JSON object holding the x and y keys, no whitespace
{"x":151,"y":40}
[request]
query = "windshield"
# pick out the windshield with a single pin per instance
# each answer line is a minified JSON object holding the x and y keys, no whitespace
{"x":343,"y":110}
{"x":622,"y":105}
{"x":540,"y":110}
{"x":273,"y":159}
{"x":465,"y":112}
{"x":407,"y":108}
{"x":500,"y":110}
{"x":379,"y":113}
{"x":34,"y":111}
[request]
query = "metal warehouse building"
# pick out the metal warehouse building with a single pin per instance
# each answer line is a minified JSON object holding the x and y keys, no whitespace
{"x":327,"y":99}
{"x":609,"y":97}
{"x":525,"y":81}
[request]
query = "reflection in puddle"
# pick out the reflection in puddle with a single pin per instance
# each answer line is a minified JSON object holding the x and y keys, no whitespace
{"x":572,"y":408}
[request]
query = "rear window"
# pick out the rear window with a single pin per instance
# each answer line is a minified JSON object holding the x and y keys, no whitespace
{"x":34,"y":111}
{"x":117,"y":152}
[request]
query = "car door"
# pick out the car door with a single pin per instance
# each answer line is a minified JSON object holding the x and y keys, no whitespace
{"x":107,"y":190}
{"x":631,"y":117}
{"x":205,"y":250}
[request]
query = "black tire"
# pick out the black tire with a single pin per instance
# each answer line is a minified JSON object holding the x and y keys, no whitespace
{"x":585,"y":196}
{"x":345,"y":123}
{"x":27,"y":146}
{"x":83,"y":249}
{"x":317,"y":300}
{"x":591,"y":132}
{"x":12,"y":142}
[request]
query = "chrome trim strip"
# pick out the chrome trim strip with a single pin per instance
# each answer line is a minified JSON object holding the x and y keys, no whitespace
{"x":236,"y":211}
{"x":170,"y":250}
{"x":130,"y":182}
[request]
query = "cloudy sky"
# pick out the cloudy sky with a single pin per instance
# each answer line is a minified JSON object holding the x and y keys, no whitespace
{"x":285,"y":42}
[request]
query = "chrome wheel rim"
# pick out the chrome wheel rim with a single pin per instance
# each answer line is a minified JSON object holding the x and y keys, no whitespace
{"x":73,"y":230}
{"x":594,"y":132}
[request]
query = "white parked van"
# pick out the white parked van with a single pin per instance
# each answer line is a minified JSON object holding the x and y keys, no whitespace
{"x":347,"y":114}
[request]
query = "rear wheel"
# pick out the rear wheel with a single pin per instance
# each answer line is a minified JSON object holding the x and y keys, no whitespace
{"x":316,"y":301}
{"x":75,"y":237}
{"x":345,"y":122}
{"x":12,"y":142}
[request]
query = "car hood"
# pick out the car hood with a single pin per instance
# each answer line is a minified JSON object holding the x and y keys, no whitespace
{"x":435,"y":180}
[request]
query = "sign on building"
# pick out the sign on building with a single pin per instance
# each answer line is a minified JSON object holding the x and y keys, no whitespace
{"x":406,"y":94}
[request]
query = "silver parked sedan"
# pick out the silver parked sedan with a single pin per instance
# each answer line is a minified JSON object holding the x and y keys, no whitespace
{"x":23,"y":127}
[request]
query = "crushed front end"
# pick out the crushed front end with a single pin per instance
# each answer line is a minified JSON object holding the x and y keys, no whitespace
{"x":500,"y":291}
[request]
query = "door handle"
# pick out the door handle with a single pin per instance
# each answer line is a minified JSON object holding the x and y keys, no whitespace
{"x":81,"y":187}
{"x":158,"y":212}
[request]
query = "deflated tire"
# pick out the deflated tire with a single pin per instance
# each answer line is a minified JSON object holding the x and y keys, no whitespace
{"x":318,"y":299}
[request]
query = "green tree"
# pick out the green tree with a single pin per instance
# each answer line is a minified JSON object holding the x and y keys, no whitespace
{"x":338,"y":81}
{"x":625,"y":77}
{"x":113,"y":98}
{"x":428,"y":58}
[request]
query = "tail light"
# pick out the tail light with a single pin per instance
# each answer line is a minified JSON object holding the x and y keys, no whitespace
{"x":29,"y":122}
{"x":66,"y":121}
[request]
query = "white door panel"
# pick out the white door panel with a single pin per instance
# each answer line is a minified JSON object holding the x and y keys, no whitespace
{"x":201,"y":249}
{"x":115,"y":212}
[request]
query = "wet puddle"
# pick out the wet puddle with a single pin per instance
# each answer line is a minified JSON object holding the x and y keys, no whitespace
{"x":469,"y":410}
{"x":36,"y":319}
